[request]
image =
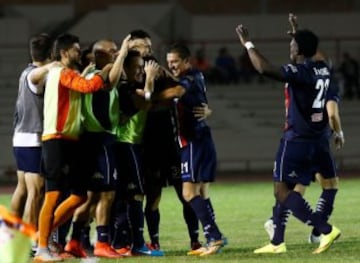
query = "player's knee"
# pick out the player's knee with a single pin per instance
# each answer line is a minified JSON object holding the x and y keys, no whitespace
{"x":188,"y":196}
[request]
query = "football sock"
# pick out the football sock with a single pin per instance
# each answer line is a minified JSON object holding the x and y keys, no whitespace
{"x":301,"y":210}
{"x":325,"y":205}
{"x":121,"y":236}
{"x":190,"y":217}
{"x":103,"y":233}
{"x":66,"y":209}
{"x":210,"y":207}
{"x":77,"y":228}
{"x":280,"y":219}
{"x":136,"y":216}
{"x":191,"y":221}
{"x":46,"y":217}
{"x":203,"y":214}
{"x":153,"y":222}
{"x":85,"y":237}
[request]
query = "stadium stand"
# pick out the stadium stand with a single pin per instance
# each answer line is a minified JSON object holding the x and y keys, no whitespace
{"x":247,"y":118}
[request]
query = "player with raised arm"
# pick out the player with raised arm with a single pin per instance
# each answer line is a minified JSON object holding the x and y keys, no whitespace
{"x":133,"y":114}
{"x":163,"y":168}
{"x":100,"y":111}
{"x":304,"y":146}
{"x":329,"y":185}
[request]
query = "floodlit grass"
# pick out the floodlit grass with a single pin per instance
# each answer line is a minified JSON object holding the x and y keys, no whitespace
{"x":241,"y":209}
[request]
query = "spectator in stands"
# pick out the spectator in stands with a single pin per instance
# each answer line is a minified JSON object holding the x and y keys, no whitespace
{"x":225,"y":70}
{"x":202,"y":63}
{"x":349,"y":70}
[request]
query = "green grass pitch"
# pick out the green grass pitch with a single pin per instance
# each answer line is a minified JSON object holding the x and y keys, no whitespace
{"x":241,"y":209}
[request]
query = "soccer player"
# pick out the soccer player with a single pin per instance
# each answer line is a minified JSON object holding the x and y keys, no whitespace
{"x":60,"y":155}
{"x":275,"y":226}
{"x":129,"y":147}
{"x":100,"y":113}
{"x":304,"y":146}
{"x":197,"y":150}
{"x":164,"y":168}
{"x":329,"y":185}
{"x":28,"y":195}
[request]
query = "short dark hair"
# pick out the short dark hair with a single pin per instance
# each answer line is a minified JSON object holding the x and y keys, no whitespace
{"x":150,"y":57}
{"x":307,"y":42}
{"x":129,"y":57}
{"x":63,"y":42}
{"x":181,"y":49}
{"x":40,"y":47}
{"x":139,"y":33}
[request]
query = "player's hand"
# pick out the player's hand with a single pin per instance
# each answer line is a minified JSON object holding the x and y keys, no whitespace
{"x":243,"y":34}
{"x":293,"y":24}
{"x":202,"y":112}
{"x":339,"y":140}
{"x":124,"y":49}
{"x":151,"y":68}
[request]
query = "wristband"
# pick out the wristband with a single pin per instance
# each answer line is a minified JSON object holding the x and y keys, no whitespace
{"x":339,"y":134}
{"x":249,"y":45}
{"x":147,"y":95}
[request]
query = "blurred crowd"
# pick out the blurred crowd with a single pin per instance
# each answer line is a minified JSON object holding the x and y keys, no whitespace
{"x":230,"y":69}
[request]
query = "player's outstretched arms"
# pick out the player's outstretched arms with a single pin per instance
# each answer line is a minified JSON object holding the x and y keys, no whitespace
{"x":261,"y":64}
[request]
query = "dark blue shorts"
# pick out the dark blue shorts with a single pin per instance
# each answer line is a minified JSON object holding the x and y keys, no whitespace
{"x":298,"y":161}
{"x":198,"y":159}
{"x":28,"y":159}
{"x":98,"y":161}
{"x":130,"y":171}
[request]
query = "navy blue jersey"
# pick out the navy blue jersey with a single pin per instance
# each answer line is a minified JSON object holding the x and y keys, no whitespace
{"x":195,"y":95}
{"x":333,"y":91}
{"x":305,"y":97}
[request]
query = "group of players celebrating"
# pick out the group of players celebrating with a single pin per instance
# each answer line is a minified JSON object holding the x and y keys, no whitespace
{"x":104,"y":131}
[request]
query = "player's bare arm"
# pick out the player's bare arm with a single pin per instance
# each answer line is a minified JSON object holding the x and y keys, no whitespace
{"x":117,"y":69}
{"x":261,"y":64}
{"x":332,"y":109}
{"x":38,"y":75}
